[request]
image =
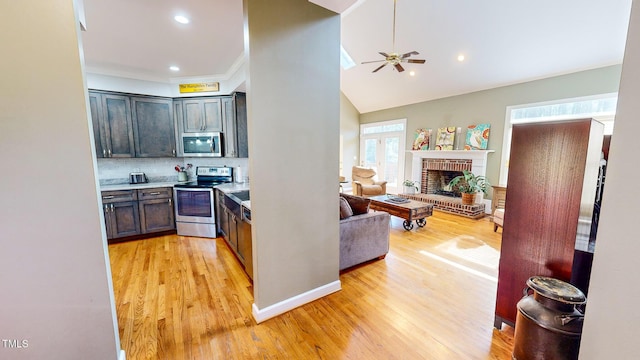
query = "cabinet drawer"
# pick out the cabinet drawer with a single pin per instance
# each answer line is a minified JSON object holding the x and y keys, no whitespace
{"x":109,"y":197}
{"x":155,"y":193}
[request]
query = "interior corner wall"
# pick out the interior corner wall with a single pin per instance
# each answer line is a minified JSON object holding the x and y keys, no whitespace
{"x":489,"y":106}
{"x":55,"y":283}
{"x":612,"y":324}
{"x":293,"y":109}
{"x":350,"y":135}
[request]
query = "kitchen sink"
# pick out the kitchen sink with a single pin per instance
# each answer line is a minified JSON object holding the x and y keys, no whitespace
{"x":233,"y":200}
{"x":240,"y":195}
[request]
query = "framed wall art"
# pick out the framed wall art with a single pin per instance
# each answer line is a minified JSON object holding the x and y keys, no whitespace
{"x":477,"y":137}
{"x":421,"y":141}
{"x":445,"y":138}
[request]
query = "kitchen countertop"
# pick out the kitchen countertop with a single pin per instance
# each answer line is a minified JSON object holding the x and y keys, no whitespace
{"x":232,"y":187}
{"x":138,"y":186}
{"x":227,"y":188}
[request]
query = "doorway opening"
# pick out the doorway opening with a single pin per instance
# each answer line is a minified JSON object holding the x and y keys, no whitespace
{"x":382,"y":147}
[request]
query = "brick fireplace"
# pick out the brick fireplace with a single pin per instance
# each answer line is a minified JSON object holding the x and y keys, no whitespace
{"x":437,"y":173}
{"x":434,"y":169}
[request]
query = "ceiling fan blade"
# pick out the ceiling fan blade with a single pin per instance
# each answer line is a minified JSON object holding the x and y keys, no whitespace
{"x":399,"y":67}
{"x":409,"y":54}
{"x":384,"y":54}
{"x":381,"y":66}
{"x":374,"y":61}
{"x":415,"y":61}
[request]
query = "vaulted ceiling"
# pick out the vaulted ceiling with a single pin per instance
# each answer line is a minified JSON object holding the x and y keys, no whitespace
{"x":503,"y":42}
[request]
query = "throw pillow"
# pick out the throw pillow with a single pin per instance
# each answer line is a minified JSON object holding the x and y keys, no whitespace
{"x":345,"y":209}
{"x":359,"y":205}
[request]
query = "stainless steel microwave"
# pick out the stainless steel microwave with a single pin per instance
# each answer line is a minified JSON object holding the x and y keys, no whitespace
{"x":202,"y":144}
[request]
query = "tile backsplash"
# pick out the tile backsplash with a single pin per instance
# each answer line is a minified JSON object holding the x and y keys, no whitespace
{"x":116,"y":171}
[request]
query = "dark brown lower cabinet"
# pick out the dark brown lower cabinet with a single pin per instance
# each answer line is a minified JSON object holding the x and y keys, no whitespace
{"x":551,"y":189}
{"x":156,"y":215}
{"x":122,"y":219}
{"x":134,"y":212}
{"x":235,"y":231}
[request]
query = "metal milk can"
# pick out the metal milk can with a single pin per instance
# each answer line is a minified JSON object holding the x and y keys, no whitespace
{"x":548,"y":322}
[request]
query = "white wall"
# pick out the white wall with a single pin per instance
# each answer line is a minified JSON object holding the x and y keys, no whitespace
{"x":612,"y":322}
{"x":293,"y":105}
{"x":55,"y":282}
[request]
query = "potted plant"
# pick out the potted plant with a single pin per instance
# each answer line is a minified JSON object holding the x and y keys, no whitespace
{"x":410,"y":186}
{"x":469,"y":185}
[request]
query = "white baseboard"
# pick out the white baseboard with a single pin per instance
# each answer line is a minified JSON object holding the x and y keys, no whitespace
{"x":122,"y":355}
{"x":282,"y":307}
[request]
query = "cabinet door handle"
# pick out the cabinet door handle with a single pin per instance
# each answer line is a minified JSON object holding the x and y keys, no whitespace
{"x":108,"y":197}
{"x":173,"y":152}
{"x":111,"y":207}
{"x":155,"y":193}
{"x":109,"y":152}
{"x":170,"y":202}
{"x":104,"y":152}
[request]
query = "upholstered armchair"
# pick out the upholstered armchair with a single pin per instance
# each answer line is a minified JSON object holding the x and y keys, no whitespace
{"x":365,"y":182}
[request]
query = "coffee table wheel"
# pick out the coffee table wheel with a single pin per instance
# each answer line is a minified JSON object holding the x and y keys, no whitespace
{"x":421,"y":222}
{"x":408,"y":225}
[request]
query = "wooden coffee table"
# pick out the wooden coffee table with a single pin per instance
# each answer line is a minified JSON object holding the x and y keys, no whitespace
{"x":409,"y":210}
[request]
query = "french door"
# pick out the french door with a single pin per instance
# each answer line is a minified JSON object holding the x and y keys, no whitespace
{"x":382,"y":146}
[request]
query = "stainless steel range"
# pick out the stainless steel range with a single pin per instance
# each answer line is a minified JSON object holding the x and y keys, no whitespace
{"x":195,"y":202}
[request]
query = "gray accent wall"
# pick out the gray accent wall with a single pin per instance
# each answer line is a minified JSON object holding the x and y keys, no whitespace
{"x":489,"y":106}
{"x":293,"y":109}
{"x":56,"y":297}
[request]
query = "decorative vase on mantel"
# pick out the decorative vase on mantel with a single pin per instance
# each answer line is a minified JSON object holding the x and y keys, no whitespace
{"x":468,"y":199}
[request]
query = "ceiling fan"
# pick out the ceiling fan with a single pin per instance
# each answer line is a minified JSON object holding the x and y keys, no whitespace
{"x":394,"y":58}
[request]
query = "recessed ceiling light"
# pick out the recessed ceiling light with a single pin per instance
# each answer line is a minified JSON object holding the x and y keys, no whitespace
{"x":460,"y":57}
{"x":412,"y":73}
{"x":181,"y":19}
{"x":174,"y":68}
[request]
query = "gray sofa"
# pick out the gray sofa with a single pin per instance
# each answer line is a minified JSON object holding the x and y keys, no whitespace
{"x":364,"y":235}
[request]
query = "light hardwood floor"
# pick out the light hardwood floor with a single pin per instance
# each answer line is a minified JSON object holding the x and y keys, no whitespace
{"x":432,"y":297}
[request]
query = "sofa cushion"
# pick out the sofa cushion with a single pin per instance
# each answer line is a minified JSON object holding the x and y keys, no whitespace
{"x":345,"y":209}
{"x":359,"y":205}
{"x":372,"y":190}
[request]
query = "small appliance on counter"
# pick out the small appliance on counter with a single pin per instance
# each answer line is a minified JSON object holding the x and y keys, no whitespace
{"x":138,"y":178}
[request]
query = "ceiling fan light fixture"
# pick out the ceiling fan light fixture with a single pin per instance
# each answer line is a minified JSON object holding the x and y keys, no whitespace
{"x":394,"y":59}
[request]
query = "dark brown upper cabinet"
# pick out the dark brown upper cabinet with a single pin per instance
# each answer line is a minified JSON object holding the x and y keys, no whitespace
{"x":112,"y":125}
{"x":202,"y":115}
{"x":153,"y":127}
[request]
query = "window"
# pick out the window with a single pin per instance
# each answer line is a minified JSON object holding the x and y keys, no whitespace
{"x":599,"y":107}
